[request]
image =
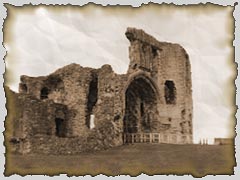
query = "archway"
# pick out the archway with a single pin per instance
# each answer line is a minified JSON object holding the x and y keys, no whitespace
{"x":141,"y":99}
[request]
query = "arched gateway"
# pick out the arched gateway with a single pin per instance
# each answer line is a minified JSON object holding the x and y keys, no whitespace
{"x":141,"y":109}
{"x":140,"y":106}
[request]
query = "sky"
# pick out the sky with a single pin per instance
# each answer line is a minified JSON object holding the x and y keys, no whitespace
{"x":42,"y":39}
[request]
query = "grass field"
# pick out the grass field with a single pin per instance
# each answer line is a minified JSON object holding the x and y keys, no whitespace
{"x":151,"y":159}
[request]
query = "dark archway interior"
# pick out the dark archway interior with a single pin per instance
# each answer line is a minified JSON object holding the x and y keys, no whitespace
{"x":141,"y":107}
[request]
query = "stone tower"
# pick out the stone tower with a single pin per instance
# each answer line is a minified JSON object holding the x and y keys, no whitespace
{"x":161,"y":87}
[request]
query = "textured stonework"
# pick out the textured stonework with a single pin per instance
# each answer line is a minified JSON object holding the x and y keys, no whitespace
{"x":56,"y":112}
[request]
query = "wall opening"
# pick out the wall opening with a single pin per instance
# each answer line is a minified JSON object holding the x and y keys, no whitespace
{"x":44,"y":93}
{"x":183,"y":112}
{"x":140,"y":107}
{"x":182,"y":127}
{"x":134,"y":66}
{"x":154,"y":52}
{"x":92,"y":124}
{"x":170,"y":92}
{"x":60,"y":127}
{"x":92,"y":98}
{"x":116,"y":118}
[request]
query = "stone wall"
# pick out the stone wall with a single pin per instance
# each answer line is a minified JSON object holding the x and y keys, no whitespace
{"x":78,"y":109}
{"x":100,"y":138}
{"x":31,"y":118}
{"x":32,"y":128}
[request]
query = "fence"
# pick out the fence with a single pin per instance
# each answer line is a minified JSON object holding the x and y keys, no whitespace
{"x":155,"y":138}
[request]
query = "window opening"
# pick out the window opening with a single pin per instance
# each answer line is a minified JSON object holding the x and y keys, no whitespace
{"x":44,"y":93}
{"x":92,"y":99}
{"x":170,"y":92}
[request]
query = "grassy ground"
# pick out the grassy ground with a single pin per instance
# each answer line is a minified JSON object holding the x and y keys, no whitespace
{"x":130,"y":159}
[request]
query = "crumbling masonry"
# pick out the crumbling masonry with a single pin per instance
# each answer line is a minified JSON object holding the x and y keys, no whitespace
{"x":78,"y":109}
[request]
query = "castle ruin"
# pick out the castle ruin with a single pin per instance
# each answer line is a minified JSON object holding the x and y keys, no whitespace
{"x":78,"y":109}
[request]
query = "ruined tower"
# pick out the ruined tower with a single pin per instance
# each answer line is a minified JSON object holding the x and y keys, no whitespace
{"x":160,"y":86}
{"x":79,"y":109}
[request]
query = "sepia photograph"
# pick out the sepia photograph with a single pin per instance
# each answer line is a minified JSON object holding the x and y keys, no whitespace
{"x":119,"y":90}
